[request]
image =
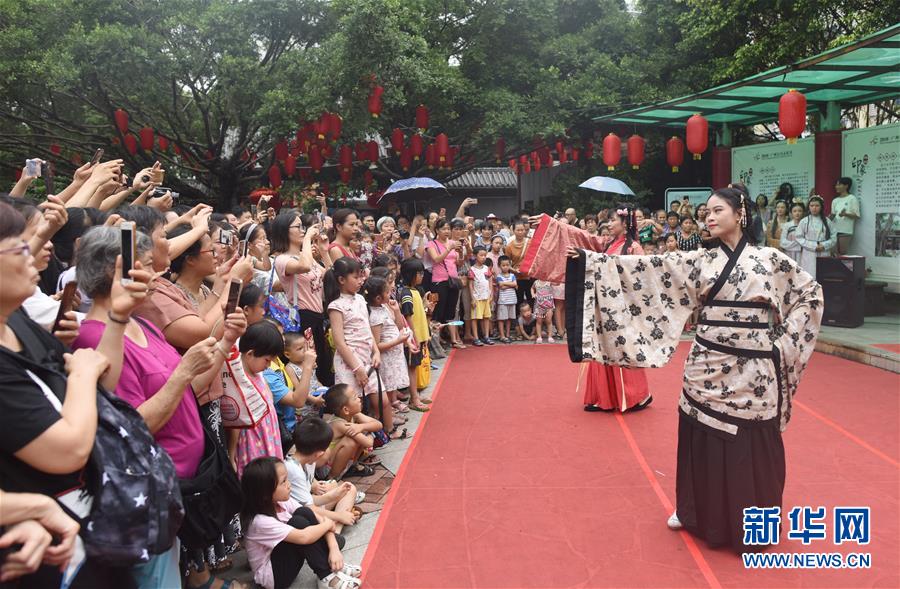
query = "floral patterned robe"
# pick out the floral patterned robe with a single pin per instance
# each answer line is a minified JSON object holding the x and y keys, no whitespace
{"x":760,"y":315}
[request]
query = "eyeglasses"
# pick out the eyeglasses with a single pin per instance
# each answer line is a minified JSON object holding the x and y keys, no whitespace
{"x":205,"y":251}
{"x":22,"y":250}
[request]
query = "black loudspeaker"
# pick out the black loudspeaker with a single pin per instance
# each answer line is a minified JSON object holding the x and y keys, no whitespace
{"x":843,"y":283}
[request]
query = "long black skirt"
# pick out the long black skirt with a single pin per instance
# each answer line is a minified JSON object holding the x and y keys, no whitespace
{"x":720,"y":474}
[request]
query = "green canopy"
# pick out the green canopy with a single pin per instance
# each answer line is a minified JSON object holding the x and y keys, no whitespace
{"x":861,"y":72}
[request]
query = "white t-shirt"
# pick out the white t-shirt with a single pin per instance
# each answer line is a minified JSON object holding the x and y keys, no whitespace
{"x":301,"y":477}
{"x":849,"y":204}
{"x":481,"y":285}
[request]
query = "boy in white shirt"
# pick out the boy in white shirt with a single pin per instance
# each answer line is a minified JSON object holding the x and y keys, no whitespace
{"x":844,"y":212}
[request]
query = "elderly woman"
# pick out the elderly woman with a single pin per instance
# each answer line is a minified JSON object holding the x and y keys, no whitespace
{"x":151,"y":375}
{"x":48,"y":417}
{"x":388,"y":240}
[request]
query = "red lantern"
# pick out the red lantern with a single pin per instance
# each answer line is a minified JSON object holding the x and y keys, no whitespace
{"x":697,"y":135}
{"x":345,"y":157}
{"x":177,"y":149}
{"x":405,"y":158}
{"x":563,"y":155}
{"x":362,"y":151}
{"x":275,"y":176}
{"x":500,"y":149}
{"x":397,"y":140}
{"x":527,"y":167}
{"x":131,"y":144}
{"x":576,"y":154}
{"x":368,"y":178}
{"x":675,"y":153}
{"x":546,"y":157}
{"x":635,"y":148}
{"x":442,"y":148}
{"x":430,"y":156}
{"x":422,"y":118}
{"x":792,"y":115}
{"x":560,"y":148}
{"x":416,"y":146}
{"x":612,"y":151}
{"x":315,"y":159}
{"x":290,"y":165}
{"x":146,"y":134}
{"x":513,"y":165}
{"x":320,"y":126}
{"x":55,"y":149}
{"x":121,"y":118}
{"x":281,"y":150}
{"x":373,"y":151}
{"x":589,"y":150}
{"x":336,"y":123}
{"x":375,"y":101}
{"x":536,"y":160}
{"x":76,"y":159}
{"x":346,"y":176}
{"x":163,"y":143}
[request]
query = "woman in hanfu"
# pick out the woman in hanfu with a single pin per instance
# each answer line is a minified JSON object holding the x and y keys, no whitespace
{"x":606,"y":388}
{"x":759,"y":317}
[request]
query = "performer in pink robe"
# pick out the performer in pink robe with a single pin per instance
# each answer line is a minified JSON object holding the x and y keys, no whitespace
{"x":604,"y":387}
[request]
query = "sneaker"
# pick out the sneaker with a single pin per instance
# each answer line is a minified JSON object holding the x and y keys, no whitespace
{"x":673,"y":522}
{"x":539,"y":340}
{"x":489,"y":341}
{"x":550,"y":339}
{"x":477,"y":343}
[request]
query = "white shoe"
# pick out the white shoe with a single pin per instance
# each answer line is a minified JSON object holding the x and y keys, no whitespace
{"x":338,"y":581}
{"x":550,"y":340}
{"x":673,"y":522}
{"x":539,"y":341}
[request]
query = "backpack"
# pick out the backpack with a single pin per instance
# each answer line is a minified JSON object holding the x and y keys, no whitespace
{"x":136,"y":506}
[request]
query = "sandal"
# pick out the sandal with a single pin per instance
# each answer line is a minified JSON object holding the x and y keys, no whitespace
{"x":221,"y":566}
{"x":400,"y":407}
{"x":352,"y":570}
{"x":404,"y":435}
{"x":459,"y":345}
{"x":425,"y":401}
{"x":359,"y":470}
{"x":370,"y":460}
{"x":338,"y":580}
{"x":400,"y":419}
{"x":420,"y":409}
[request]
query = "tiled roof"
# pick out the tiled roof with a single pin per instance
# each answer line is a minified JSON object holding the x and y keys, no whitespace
{"x":485,"y":178}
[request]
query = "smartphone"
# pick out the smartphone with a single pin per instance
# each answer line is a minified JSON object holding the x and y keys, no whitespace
{"x":225,"y":237}
{"x":97,"y":155}
{"x":33,"y":167}
{"x":128,"y":254}
{"x":253,"y":210}
{"x":320,"y":218}
{"x":242,"y":248}
{"x":307,"y":333}
{"x":234,"y":295}
{"x":65,"y":303}
{"x":47,"y":173}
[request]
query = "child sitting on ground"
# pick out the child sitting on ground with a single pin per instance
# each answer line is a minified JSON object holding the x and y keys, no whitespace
{"x":291,"y":387}
{"x":526,"y":322}
{"x":335,"y":501}
{"x":351,"y":428}
{"x":280,"y":535}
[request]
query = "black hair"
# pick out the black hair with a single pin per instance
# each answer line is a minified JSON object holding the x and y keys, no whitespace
{"x":440,"y":223}
{"x":258,"y":483}
{"x":457,"y":223}
{"x":250,"y":296}
{"x":291,"y":336}
{"x":250,"y":231}
{"x":341,"y":268}
{"x":765,"y":200}
{"x":279,"y":231}
{"x":381,"y":260}
{"x":685,"y":218}
{"x":340,"y":216}
{"x":524,"y":304}
{"x":671,"y":214}
{"x":737,"y":198}
{"x":380,"y":271}
{"x":629,"y":222}
{"x":798,"y":204}
{"x":821,"y":215}
{"x":12,"y":223}
{"x":218,"y":218}
{"x":307,"y":219}
{"x":181,"y":209}
{"x":502,"y":259}
{"x":312,"y":435}
{"x":786,"y":191}
{"x":517,"y":222}
{"x":409,"y":268}
{"x":848,"y":182}
{"x":145,"y":218}
{"x":336,"y":397}
{"x":238,"y":211}
{"x":489,"y":262}
{"x":373,"y":288}
{"x":64,"y":239}
{"x":193,"y":250}
{"x":478,"y":249}
{"x":25,"y":207}
{"x":263,"y":339}
{"x":96,"y":216}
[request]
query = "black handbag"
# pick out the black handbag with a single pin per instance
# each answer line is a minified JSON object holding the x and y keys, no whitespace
{"x":211,"y":498}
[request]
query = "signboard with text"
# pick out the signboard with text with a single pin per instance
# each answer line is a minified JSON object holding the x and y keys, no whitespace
{"x":763,"y":168}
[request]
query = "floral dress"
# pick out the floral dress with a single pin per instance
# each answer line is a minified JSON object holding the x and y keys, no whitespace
{"x":543,"y":299}
{"x":393,"y":371}
{"x":358,"y":336}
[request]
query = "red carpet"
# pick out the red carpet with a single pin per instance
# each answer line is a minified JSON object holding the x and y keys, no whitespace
{"x":889,"y":347}
{"x":510,"y":484}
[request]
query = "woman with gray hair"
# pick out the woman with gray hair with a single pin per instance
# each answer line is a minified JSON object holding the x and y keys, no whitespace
{"x":149,"y":372}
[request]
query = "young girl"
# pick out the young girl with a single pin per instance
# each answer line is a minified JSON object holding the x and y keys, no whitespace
{"x":815,"y":236}
{"x":280,"y":534}
{"x":351,"y":428}
{"x":356,"y":352}
{"x":384,"y":314}
{"x":789,"y":243}
{"x":259,"y":346}
{"x":542,"y":293}
{"x":412,"y":273}
{"x":671,"y":243}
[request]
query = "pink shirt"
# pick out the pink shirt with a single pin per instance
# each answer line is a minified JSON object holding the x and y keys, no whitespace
{"x":262,"y":536}
{"x":308,"y":284}
{"x":439,"y":270}
{"x":144,"y":372}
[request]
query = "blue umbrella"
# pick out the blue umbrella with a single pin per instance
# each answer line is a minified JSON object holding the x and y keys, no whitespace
{"x":606,"y":184}
{"x":418,"y":188}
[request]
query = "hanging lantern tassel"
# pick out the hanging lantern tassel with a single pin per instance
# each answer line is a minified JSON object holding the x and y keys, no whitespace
{"x":697,"y":135}
{"x":792,"y":115}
